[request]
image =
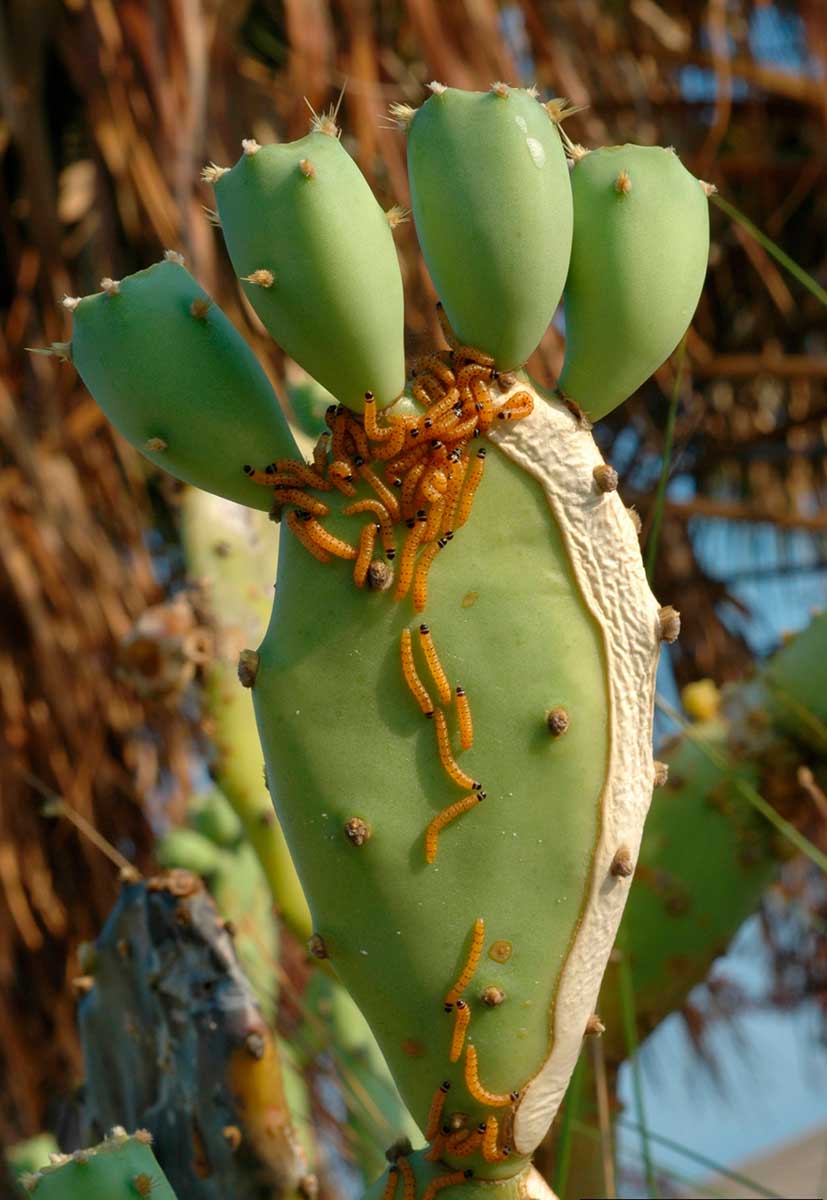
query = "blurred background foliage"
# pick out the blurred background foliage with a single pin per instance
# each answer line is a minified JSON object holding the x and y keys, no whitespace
{"x":108,"y":110}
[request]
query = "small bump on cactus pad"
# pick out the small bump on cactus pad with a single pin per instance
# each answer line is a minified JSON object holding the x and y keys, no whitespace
{"x":638,"y":260}
{"x":120,"y":1168}
{"x":181,"y":385}
{"x":315,"y":254}
{"x":493,"y":211}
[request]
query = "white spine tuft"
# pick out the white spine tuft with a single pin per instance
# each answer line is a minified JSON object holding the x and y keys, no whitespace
{"x":250,"y":146}
{"x":397,"y":215}
{"x":261,"y":278}
{"x":436,"y":87}
{"x":174,"y":256}
{"x":71,"y":302}
{"x":212,"y":172}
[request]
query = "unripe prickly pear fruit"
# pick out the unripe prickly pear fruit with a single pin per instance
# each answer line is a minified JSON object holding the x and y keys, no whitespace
{"x":493,"y":211}
{"x":179,"y":382}
{"x":120,"y":1168}
{"x":638,"y":260}
{"x":316,"y":257}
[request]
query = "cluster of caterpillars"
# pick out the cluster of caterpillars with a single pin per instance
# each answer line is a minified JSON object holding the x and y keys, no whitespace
{"x":444,"y":1137}
{"x":472,"y":787}
{"x":451,"y":1137}
{"x":429,"y":479}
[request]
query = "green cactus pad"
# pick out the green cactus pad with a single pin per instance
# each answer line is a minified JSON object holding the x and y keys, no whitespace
{"x":685,"y":906}
{"x":344,"y":739}
{"x":121,"y":1168}
{"x":492,"y":204}
{"x":638,"y":260}
{"x":331,"y":291}
{"x":184,"y":389}
{"x":795,"y":683}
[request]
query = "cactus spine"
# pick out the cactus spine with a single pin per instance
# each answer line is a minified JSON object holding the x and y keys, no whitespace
{"x":455,"y":691}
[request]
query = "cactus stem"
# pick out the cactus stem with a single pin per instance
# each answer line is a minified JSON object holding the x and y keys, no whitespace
{"x":397,"y":215}
{"x":500,"y":89}
{"x":174,"y":256}
{"x":622,"y":866}
{"x":211,"y":173}
{"x":200,"y":307}
{"x":605,"y":478}
{"x":594,"y":1026}
{"x":670,"y":624}
{"x":307,"y":169}
{"x":661,"y":773}
{"x":248,"y":664}
{"x":623,"y":183}
{"x":261,"y":278}
{"x":557,"y":720}
{"x":155,"y":445}
{"x":250,"y":146}
{"x":709,"y":189}
{"x":357,"y":831}
{"x":112,"y":287}
{"x":436,"y":87}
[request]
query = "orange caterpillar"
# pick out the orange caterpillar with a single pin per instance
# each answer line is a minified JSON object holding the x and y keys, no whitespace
{"x":481,"y":1094}
{"x":367,"y":540}
{"x":408,"y":1179}
{"x":449,"y":763}
{"x":444,"y":818}
{"x":391,"y":1182}
{"x":385,"y":523}
{"x":416,"y":529}
{"x":445,"y":1181}
{"x":490,"y":1148}
{"x":438,"y":675}
{"x":471,"y":963}
{"x":466,"y":727}
{"x":518,"y":404}
{"x":435,"y":1111}
{"x":300,"y":500}
{"x":461,"y":1144}
{"x":471,"y":485}
{"x":415,"y":684}
{"x":297,"y":525}
{"x":461,"y":1022}
{"x":328,"y":541}
{"x":423,"y":566}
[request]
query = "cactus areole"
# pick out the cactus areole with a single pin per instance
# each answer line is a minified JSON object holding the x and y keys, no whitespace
{"x":455,"y":691}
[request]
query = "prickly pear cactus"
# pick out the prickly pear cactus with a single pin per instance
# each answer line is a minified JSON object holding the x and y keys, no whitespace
{"x":120,"y":1168}
{"x":455,"y":691}
{"x":173,"y":1037}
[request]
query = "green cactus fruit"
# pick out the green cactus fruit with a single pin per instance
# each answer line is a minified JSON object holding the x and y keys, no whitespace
{"x":120,"y":1168}
{"x":638,"y":260}
{"x":493,"y":211}
{"x":522,"y":616}
{"x":317,"y":260}
{"x":178,"y":381}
